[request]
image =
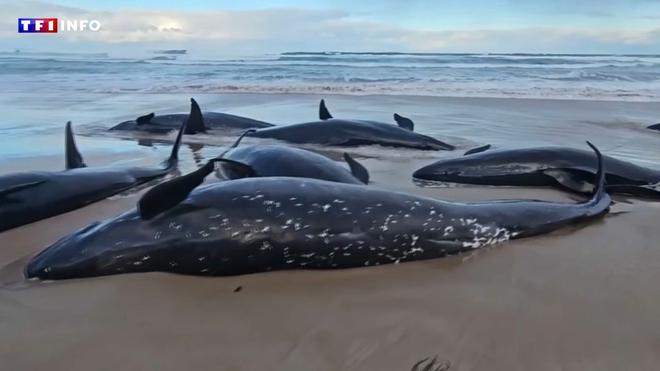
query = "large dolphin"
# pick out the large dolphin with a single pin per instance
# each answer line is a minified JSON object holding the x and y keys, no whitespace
{"x":30,"y":196}
{"x":341,"y":132}
{"x":197,"y":122}
{"x":278,"y":160}
{"x":567,"y":168}
{"x":261,"y":224}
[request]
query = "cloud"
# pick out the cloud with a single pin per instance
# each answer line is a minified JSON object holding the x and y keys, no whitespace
{"x":275,"y":30}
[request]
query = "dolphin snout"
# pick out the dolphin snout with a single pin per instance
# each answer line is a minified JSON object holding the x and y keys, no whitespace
{"x":58,"y":259}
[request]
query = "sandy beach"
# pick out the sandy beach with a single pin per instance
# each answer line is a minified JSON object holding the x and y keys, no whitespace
{"x":584,"y":298}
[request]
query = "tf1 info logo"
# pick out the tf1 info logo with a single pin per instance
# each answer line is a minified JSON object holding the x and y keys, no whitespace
{"x":50,"y":25}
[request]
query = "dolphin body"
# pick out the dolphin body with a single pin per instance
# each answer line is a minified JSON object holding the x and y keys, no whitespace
{"x":279,"y":160}
{"x":341,"y":132}
{"x":30,"y":196}
{"x":255,"y":225}
{"x":197,"y":122}
{"x":566,"y":168}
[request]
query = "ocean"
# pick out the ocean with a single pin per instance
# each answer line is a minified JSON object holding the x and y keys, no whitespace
{"x":599,"y":77}
{"x":468,"y":99}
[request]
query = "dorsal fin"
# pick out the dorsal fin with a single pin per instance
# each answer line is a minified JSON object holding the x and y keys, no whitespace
{"x":324,"y":114}
{"x":195,"y":122}
{"x":73,"y":158}
{"x":174,"y":155}
{"x":146,"y":119}
{"x":477,"y":150}
{"x":404,"y":122}
{"x":358,"y":171}
{"x":167,"y":195}
{"x":238,"y":141}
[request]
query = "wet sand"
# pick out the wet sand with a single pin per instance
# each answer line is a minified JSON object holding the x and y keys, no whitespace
{"x":585,"y":298}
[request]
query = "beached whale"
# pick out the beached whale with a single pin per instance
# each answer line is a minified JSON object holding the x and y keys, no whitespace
{"x":197,"y":122}
{"x":567,"y":168}
{"x":261,"y":224}
{"x":278,"y":160}
{"x":341,"y":132}
{"x":30,"y":196}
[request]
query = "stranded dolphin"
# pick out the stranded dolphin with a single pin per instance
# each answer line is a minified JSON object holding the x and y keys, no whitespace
{"x":340,"y":132}
{"x":567,"y":168}
{"x":197,"y":122}
{"x":30,"y":196}
{"x":278,"y":160}
{"x":261,"y":224}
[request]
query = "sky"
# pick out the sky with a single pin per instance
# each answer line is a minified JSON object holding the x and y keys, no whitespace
{"x":253,"y":27}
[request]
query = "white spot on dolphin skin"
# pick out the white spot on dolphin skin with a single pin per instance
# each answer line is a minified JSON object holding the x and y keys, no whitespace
{"x":146,"y":257}
{"x":298,"y":205}
{"x":265,"y":245}
{"x":309,"y":236}
{"x":265,"y":229}
{"x":201,"y":258}
{"x":173,"y":264}
{"x":157,"y":235}
{"x":448,"y":230}
{"x":235,"y":234}
{"x":432,"y":212}
{"x":204,"y":270}
{"x":311,"y":254}
{"x":414,"y":240}
{"x":415,"y":249}
{"x":216,"y":216}
{"x":338,"y":201}
{"x":137,"y":263}
{"x":326,"y":207}
{"x":292,"y":198}
{"x":203,"y":233}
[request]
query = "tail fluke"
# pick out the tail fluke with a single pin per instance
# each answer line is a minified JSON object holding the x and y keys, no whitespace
{"x":599,"y":185}
{"x":73,"y":157}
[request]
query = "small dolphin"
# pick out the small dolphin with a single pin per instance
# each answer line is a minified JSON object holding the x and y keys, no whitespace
{"x":340,"y":132}
{"x":278,"y":160}
{"x":567,"y":168}
{"x":30,"y":196}
{"x":197,"y":122}
{"x":255,"y":225}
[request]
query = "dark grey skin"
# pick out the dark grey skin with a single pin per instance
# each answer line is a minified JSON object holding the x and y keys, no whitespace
{"x":255,"y":225}
{"x":654,"y":127}
{"x":198,"y":122}
{"x":30,"y":196}
{"x":562,"y":167}
{"x":339,"y":132}
{"x":279,"y":160}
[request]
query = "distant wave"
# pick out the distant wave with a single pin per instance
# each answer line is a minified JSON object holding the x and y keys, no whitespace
{"x":521,"y":75}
